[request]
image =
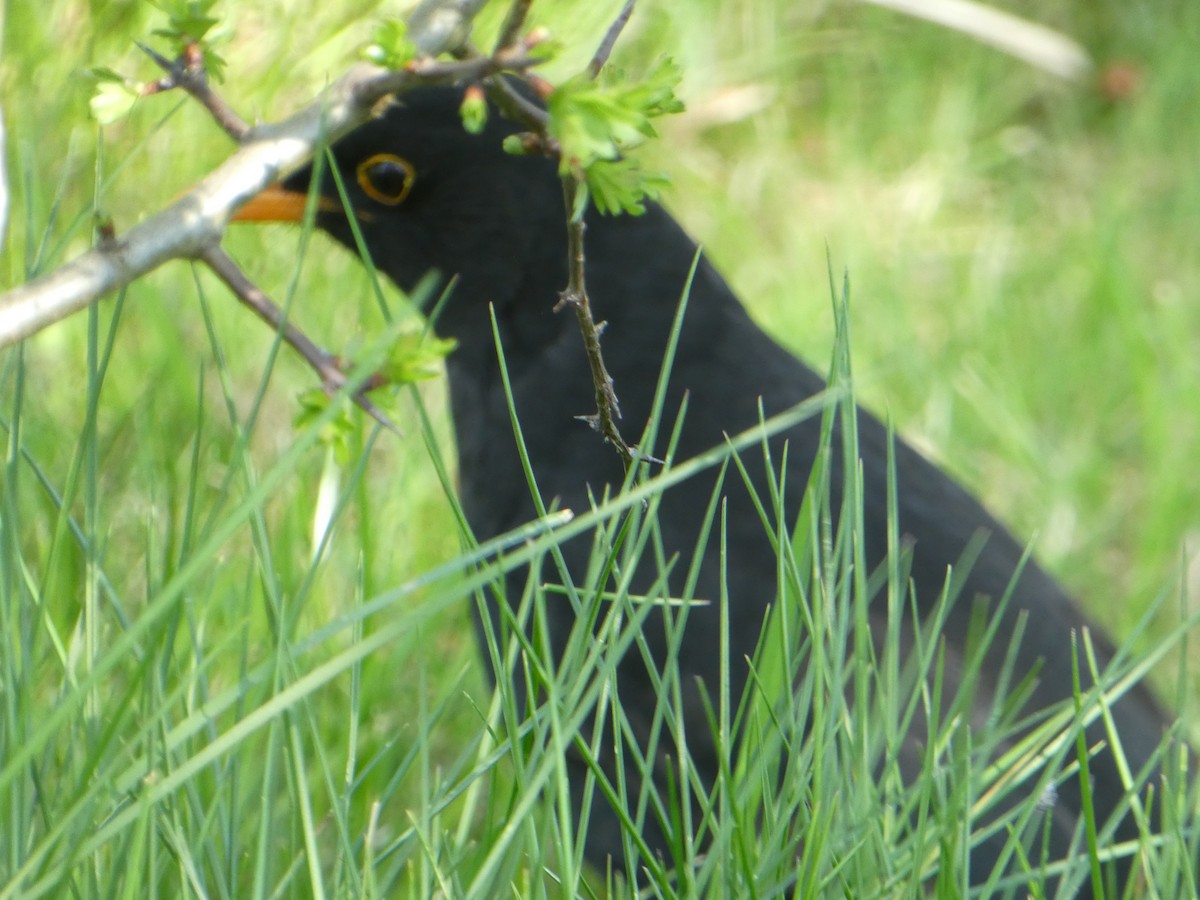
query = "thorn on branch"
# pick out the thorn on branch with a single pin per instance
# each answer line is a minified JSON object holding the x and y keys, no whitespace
{"x":565,"y":299}
{"x":106,"y":233}
{"x":163,"y":63}
{"x":608,"y":409}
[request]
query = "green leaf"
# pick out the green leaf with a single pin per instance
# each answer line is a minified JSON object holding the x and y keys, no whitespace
{"x":474,"y":110}
{"x":622,"y":186}
{"x":189,"y":22}
{"x":652,"y":93}
{"x":113,"y":95}
{"x":599,"y":120}
{"x":336,"y":433}
{"x":100,"y":74}
{"x":188,"y":18}
{"x":514,"y":145}
{"x":390,"y":46}
{"x":416,"y":356}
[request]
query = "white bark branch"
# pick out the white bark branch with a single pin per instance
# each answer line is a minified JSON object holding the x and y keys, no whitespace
{"x":190,"y":224}
{"x":438,"y":25}
{"x":195,"y":222}
{"x":1038,"y":45}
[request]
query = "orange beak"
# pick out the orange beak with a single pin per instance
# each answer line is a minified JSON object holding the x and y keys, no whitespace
{"x":277,"y":204}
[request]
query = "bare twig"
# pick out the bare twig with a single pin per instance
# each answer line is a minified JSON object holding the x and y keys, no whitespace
{"x":513,"y":23}
{"x":324,"y":363}
{"x":521,"y":109}
{"x":604,"y":51}
{"x":512,"y":104}
{"x":188,"y":73}
{"x":608,"y":410}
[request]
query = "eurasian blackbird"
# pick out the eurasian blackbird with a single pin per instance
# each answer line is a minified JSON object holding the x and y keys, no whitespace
{"x":428,"y":196}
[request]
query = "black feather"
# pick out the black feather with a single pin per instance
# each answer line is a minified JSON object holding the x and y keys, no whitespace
{"x":496,"y":223}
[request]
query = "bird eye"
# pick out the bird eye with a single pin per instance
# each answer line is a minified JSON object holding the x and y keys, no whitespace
{"x":387,"y":178}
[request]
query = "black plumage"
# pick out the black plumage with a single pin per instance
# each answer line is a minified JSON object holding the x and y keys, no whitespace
{"x":429,"y":196}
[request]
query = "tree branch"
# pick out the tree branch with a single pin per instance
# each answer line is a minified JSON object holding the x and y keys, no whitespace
{"x":194,"y":223}
{"x":187,"y":73}
{"x":604,"y":51}
{"x":514,"y":21}
{"x":192,"y":227}
{"x":189,"y":225}
{"x":436,"y":26}
{"x":608,"y":410}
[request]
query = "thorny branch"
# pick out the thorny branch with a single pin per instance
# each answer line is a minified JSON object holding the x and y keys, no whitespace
{"x":518,"y":107}
{"x":608,"y":409}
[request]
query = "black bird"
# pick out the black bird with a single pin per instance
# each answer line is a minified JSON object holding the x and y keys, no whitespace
{"x":429,"y":196}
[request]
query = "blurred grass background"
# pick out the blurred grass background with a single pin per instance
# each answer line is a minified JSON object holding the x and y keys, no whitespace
{"x":1023,"y":267}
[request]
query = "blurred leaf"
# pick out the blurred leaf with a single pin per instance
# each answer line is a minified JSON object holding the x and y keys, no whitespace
{"x":101,"y":74}
{"x":621,"y":185}
{"x":390,"y":45}
{"x":416,"y":356}
{"x":113,"y":95}
{"x":336,"y":433}
{"x":514,"y":144}
{"x":544,"y":48}
{"x":474,"y":109}
{"x":188,"y":18}
{"x":189,"y":23}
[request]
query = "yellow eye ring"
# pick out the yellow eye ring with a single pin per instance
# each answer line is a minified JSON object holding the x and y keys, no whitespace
{"x":386,"y":178}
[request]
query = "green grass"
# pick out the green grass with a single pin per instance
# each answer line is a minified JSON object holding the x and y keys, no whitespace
{"x":197,"y":699}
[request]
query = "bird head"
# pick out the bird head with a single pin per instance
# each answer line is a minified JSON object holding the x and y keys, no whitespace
{"x":427,"y":196}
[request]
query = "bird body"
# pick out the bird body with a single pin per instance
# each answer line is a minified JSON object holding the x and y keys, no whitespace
{"x":495,"y":223}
